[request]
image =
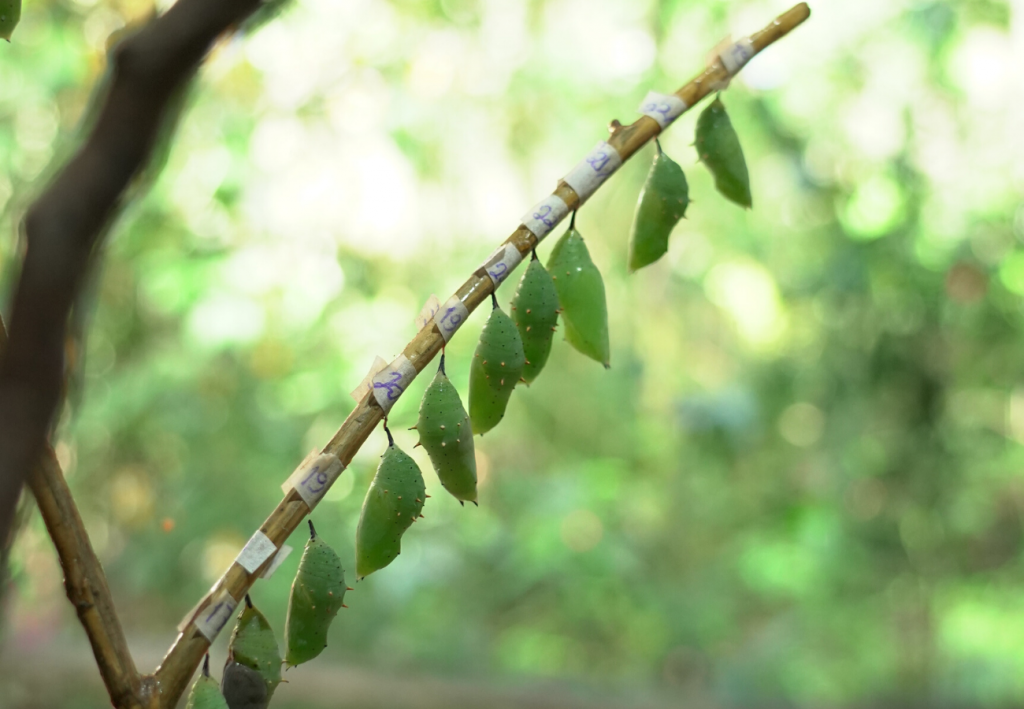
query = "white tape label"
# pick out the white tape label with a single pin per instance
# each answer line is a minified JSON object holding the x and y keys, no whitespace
{"x":594,"y":169}
{"x":390,"y":382}
{"x":258,"y":549}
{"x":501,"y":263}
{"x":212,"y":619}
{"x":736,"y":55}
{"x":545,"y":215}
{"x":430,"y":309}
{"x":664,"y":108}
{"x":313,"y":477}
{"x":280,"y":556}
{"x":450,"y":316}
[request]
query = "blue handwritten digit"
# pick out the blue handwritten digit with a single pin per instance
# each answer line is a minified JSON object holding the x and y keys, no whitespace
{"x":215,"y":611}
{"x":321,"y":480}
{"x":542,"y":215}
{"x":664,"y":110}
{"x":393,"y":388}
{"x":598,"y":161}
{"x":451,"y":321}
{"x":499,"y":270}
{"x":313,"y":471}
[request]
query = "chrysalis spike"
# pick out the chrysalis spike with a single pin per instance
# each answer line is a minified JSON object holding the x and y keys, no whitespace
{"x":312,"y":529}
{"x":248,"y":601}
{"x":494,"y":301}
{"x":391,"y":439}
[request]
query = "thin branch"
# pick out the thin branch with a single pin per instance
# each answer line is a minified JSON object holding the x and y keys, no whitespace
{"x":67,"y":221}
{"x":84,"y":580}
{"x":189,"y":647}
{"x":86,"y":584}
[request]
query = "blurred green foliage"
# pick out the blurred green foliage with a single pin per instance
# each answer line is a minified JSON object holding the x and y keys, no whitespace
{"x":799,"y":481}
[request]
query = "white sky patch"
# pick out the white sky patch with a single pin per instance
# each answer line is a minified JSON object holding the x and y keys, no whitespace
{"x":225,"y":319}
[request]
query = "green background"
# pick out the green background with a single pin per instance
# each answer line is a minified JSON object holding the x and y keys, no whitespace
{"x":799,"y":482}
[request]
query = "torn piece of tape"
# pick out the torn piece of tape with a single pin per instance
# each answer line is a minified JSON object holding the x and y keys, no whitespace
{"x":664,"y":108}
{"x":390,"y":382}
{"x":451,"y":316}
{"x":280,"y":556}
{"x":545,"y":215}
{"x":212,"y":619}
{"x":736,"y":55}
{"x":594,"y":169}
{"x":258,"y":549}
{"x":501,"y":263}
{"x":313,"y":477}
{"x":379,"y":363}
{"x":428,"y":312}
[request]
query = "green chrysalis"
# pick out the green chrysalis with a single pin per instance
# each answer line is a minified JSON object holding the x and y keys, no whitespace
{"x":392,"y":504}
{"x":447,"y":436}
{"x":496,"y":368}
{"x":10,"y":14}
{"x":719,"y":148}
{"x":318,"y":593}
{"x":662,"y":204}
{"x":243,"y":687}
{"x":253,"y":644}
{"x":205,"y":694}
{"x":535,"y":311}
{"x":581,"y":294}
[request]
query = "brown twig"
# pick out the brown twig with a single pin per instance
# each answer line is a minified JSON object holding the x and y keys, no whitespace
{"x":84,"y":580}
{"x":63,"y":226}
{"x":190,"y":645}
{"x":86,"y":585}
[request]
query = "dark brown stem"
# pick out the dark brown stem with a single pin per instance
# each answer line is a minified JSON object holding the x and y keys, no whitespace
{"x":62,"y":229}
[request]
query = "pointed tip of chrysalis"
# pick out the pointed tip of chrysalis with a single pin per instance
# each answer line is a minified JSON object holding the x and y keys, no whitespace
{"x":206,"y":665}
{"x":440,"y":366}
{"x":391,"y":439}
{"x":312,"y":529}
{"x":248,"y":601}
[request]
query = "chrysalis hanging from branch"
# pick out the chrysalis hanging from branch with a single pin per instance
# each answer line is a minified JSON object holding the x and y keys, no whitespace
{"x":662,"y":204}
{"x":496,"y":368}
{"x":392,"y":504}
{"x":535,"y":311}
{"x":581,"y":294}
{"x":318,"y":593}
{"x":719,"y":148}
{"x":447,"y":436}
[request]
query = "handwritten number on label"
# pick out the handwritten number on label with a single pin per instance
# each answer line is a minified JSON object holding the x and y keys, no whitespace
{"x":215,"y":611}
{"x":451,"y":319}
{"x":598,"y":161}
{"x":393,"y":388}
{"x":660,"y":108}
{"x":498,"y":271}
{"x":318,"y":485}
{"x":543,"y":215}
